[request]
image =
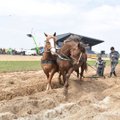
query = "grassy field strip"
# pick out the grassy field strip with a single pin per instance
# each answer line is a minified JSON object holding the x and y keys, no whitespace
{"x":13,"y":66}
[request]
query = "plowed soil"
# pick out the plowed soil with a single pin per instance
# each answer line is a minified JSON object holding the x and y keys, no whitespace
{"x":23,"y":97}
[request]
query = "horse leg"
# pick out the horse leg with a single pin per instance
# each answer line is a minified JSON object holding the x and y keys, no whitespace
{"x":82,"y":71}
{"x":59,"y":78}
{"x":47,"y":74}
{"x":64,"y":77}
{"x":66,"y":81}
{"x":77,"y":71}
{"x":49,"y":80}
{"x":62,"y":81}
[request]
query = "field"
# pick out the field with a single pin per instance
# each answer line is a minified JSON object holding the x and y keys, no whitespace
{"x":10,"y":63}
{"x":23,"y":95}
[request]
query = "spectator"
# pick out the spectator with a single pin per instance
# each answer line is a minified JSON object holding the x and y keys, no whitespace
{"x":100,"y":64}
{"x":114,"y":57}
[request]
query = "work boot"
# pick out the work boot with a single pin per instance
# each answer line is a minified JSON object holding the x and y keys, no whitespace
{"x":110,"y":74}
{"x":114,"y":74}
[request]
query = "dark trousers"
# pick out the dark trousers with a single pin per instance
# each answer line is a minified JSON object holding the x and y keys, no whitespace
{"x":100,"y":71}
{"x":113,"y":66}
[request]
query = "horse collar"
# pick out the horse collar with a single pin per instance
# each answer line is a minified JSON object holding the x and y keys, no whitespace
{"x":48,"y":61}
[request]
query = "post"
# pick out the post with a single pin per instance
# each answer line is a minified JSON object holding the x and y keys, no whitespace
{"x":37,"y":49}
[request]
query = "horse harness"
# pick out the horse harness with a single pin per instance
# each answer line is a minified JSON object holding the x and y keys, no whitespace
{"x":62,"y":57}
{"x":71,"y":59}
{"x":48,"y":61}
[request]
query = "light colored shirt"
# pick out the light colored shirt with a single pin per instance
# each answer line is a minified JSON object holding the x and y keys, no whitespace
{"x":114,"y":56}
{"x":100,"y":63}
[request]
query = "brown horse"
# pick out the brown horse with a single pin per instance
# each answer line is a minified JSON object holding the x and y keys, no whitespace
{"x":71,"y":52}
{"x":48,"y":60}
{"x":82,"y":64}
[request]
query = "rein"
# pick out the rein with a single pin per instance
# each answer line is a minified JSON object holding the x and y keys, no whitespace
{"x":69,"y":58}
{"x":62,"y":58}
{"x":78,"y":58}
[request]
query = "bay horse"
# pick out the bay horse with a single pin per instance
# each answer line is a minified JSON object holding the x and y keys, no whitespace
{"x":82,"y":64}
{"x":72,"y":52}
{"x":48,"y":60}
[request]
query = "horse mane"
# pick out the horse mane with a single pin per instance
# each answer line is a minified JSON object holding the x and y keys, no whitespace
{"x":74,"y":38}
{"x":69,"y":43}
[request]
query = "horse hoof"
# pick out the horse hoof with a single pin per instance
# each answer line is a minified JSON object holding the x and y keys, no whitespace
{"x":48,"y":87}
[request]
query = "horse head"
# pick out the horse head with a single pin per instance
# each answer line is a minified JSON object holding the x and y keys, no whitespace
{"x":76,"y":52}
{"x":50,"y":43}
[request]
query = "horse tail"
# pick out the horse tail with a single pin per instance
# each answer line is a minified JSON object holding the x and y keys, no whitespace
{"x":85,"y":65}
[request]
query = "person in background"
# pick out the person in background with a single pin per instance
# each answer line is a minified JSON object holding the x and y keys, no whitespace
{"x":100,"y":64}
{"x":114,"y":57}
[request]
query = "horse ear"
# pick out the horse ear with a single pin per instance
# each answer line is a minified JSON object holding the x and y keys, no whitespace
{"x":54,"y":34}
{"x":45,"y":34}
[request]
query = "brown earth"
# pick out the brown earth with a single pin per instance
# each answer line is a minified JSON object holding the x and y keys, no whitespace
{"x":23,"y":97}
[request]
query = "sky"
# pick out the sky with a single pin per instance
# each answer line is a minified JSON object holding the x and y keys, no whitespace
{"x":99,"y":19}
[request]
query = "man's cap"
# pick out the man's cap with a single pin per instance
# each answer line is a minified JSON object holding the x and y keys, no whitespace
{"x":112,"y":48}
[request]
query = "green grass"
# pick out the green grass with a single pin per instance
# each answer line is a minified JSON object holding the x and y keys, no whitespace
{"x":14,"y":66}
{"x":11,"y":66}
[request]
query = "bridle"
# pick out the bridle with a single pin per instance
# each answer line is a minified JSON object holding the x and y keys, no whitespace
{"x":48,"y":42}
{"x":79,"y":58}
{"x":48,"y":49}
